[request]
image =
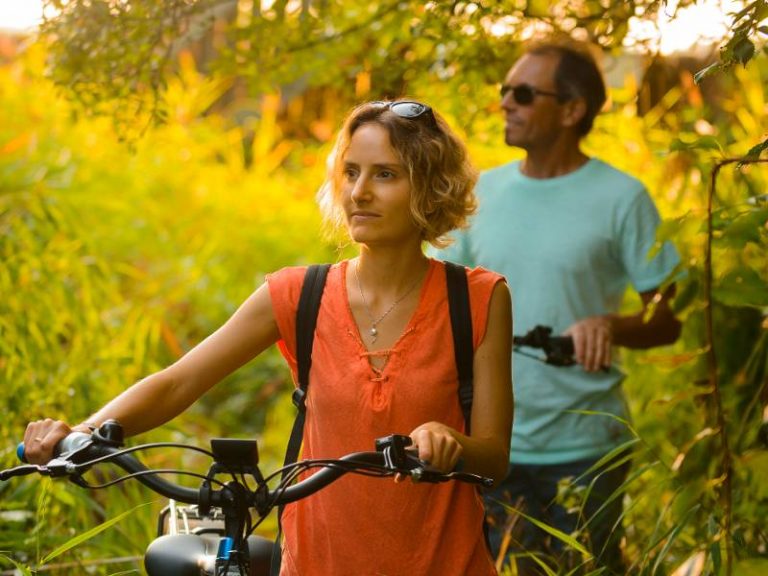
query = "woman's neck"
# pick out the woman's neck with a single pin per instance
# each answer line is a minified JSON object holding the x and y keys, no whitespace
{"x":387,"y":274}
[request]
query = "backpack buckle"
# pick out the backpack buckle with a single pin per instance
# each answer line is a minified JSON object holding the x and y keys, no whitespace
{"x":299,"y":399}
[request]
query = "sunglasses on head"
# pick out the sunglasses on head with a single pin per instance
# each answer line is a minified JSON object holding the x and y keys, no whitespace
{"x":409,"y":109}
{"x":524,"y":94}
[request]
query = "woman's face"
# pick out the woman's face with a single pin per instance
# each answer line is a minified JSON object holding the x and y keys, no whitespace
{"x":376,"y":190}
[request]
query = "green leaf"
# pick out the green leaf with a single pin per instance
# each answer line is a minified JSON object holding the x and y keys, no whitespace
{"x":562,"y":536}
{"x":624,"y":450}
{"x":714,"y":549}
{"x":703,"y":143}
{"x":671,"y":229}
{"x":618,"y":419}
{"x":727,"y":52}
{"x":742,"y":287}
{"x":745,"y":228}
{"x":755,"y":469}
{"x":751,"y":567}
{"x":708,"y":71}
{"x":755,"y":151}
{"x":685,"y":297}
{"x":743,"y":51}
{"x":622,"y":490}
{"x":80,"y":538}
{"x":672,"y":536}
{"x":547,"y":570}
{"x":24,"y":570}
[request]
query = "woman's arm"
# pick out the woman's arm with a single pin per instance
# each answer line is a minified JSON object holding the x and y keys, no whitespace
{"x":486,"y":450}
{"x":160,"y":397}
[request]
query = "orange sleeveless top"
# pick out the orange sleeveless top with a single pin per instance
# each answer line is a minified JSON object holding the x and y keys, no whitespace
{"x":360,"y":525}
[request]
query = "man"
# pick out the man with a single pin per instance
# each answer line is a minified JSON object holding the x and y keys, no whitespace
{"x":570,"y":233}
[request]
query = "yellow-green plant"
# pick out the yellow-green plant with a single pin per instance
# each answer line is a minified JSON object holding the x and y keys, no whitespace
{"x":118,"y":259}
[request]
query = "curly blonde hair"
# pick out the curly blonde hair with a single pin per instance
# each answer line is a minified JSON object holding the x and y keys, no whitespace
{"x":441,"y":175}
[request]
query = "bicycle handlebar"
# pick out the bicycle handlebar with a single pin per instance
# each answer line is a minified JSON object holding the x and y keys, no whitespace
{"x":75,"y":453}
{"x":233,"y":499}
{"x":78,"y":451}
{"x":558,"y":350}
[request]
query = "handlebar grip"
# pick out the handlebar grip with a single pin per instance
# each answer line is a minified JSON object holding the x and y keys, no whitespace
{"x":72,"y":442}
{"x":564,"y":344}
{"x":69,"y":443}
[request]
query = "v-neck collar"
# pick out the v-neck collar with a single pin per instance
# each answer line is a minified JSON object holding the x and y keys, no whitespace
{"x":414,"y":320}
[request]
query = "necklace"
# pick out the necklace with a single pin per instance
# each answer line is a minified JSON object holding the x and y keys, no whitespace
{"x":375,"y":321}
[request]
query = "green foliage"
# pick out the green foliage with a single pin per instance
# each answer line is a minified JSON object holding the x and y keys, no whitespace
{"x":700,"y":427}
{"x":104,"y":52}
{"x":117,"y":258}
{"x":740,"y":48}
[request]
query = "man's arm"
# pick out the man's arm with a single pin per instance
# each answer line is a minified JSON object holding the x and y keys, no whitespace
{"x":660,"y":329}
{"x":593,"y":337}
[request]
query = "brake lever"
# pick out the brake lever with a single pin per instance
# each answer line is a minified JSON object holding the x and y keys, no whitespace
{"x":435,"y":476}
{"x":24,"y":470}
{"x":405,"y":461}
{"x":55,"y":469}
{"x":421,"y":471}
{"x":393,"y":448}
{"x":59,"y":467}
{"x":399,"y":456}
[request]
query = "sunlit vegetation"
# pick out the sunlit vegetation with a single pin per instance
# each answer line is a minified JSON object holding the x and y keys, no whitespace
{"x":123,"y":244}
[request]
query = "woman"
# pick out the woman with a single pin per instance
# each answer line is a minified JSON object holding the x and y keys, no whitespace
{"x":382,"y":359}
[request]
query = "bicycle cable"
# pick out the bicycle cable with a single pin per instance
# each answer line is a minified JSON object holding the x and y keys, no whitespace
{"x":529,"y":355}
{"x":153,"y":472}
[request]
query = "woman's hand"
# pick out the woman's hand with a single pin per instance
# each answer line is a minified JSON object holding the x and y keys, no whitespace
{"x":41,"y":437}
{"x":437,"y":445}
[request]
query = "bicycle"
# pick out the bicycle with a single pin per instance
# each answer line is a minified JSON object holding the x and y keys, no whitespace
{"x":558,"y":350}
{"x":231,"y":550}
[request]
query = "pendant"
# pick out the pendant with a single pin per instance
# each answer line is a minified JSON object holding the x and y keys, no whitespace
{"x":374,"y":333}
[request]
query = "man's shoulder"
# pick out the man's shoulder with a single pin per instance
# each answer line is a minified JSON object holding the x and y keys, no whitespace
{"x":616,"y":175}
{"x":610,"y":186}
{"x":493,"y":178}
{"x":511,"y":167}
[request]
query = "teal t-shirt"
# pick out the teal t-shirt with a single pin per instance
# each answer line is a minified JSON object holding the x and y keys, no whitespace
{"x":568,"y":247}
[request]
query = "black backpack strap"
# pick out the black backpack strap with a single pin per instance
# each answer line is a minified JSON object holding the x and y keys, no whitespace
{"x":306,"y":321}
{"x":461,"y":326}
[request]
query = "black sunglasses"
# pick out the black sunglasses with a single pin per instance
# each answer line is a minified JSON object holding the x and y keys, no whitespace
{"x":409,"y":109}
{"x":524,"y":94}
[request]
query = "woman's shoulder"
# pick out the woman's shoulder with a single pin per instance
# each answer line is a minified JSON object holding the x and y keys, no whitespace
{"x":290,"y":279}
{"x":484,"y":275}
{"x":297,"y":273}
{"x":481,"y":283}
{"x":481,"y":276}
{"x":285,"y":287}
{"x":288,"y":272}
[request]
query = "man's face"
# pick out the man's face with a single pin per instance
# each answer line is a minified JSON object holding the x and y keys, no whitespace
{"x":536,"y":124}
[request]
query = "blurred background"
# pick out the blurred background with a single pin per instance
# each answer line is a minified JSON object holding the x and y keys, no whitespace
{"x":157,"y":159}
